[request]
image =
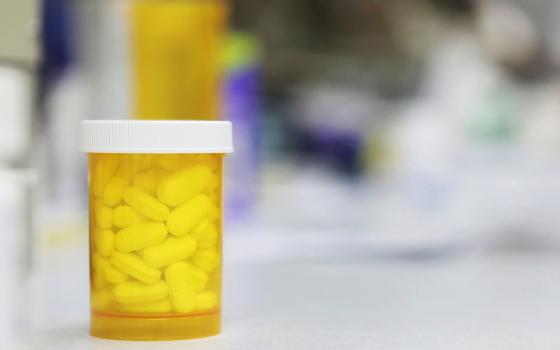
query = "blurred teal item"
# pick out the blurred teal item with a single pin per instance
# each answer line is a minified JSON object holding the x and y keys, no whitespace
{"x":496,"y":117}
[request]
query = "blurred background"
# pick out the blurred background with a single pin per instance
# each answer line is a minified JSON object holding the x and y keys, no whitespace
{"x":373,"y":132}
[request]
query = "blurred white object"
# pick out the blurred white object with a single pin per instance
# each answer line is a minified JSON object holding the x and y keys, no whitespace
{"x":541,"y":132}
{"x":65,"y":108}
{"x":422,"y":205}
{"x":507,"y":32}
{"x":15,"y":109}
{"x":15,"y":250}
{"x":104,"y":55}
{"x":343,"y":109}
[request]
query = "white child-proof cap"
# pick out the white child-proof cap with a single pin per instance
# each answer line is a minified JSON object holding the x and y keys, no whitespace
{"x":156,"y":136}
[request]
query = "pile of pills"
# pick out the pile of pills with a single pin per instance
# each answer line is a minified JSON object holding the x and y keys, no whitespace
{"x":155,"y":232}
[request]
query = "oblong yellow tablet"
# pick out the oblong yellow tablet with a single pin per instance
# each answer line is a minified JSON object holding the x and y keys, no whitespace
{"x":109,"y":272}
{"x":127,"y":170}
{"x":198,"y":277}
{"x":213,"y":213}
{"x":125,"y":216}
{"x":183,"y":185}
{"x":137,"y":292}
{"x":148,"y":181}
{"x":206,"y":301}
{"x":113,"y":275}
{"x":145,"y":204}
{"x":214,"y":197}
{"x":103,"y":214}
{"x":206,"y":234}
{"x":206,"y":259}
{"x":140,"y":236}
{"x":135,"y":267}
{"x":181,"y":288}
{"x":114,"y":191}
{"x":104,"y":241}
{"x":104,"y":167}
{"x":184,"y":218}
{"x":171,"y":250}
{"x":142,"y":162}
{"x":209,"y":160}
{"x":97,"y":279}
{"x":212,"y":184}
{"x":169,"y":162}
{"x":102,"y":299}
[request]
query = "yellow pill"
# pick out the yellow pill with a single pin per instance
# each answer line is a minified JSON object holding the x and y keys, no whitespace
{"x":184,"y":300}
{"x":103,"y":214}
{"x":171,"y":250}
{"x":213,"y":213}
{"x":160,"y":306}
{"x":181,"y":288}
{"x":213,"y":183}
{"x":145,"y":204}
{"x":114,"y":191}
{"x":142,"y":162}
{"x":104,"y":241}
{"x":96,"y":261}
{"x":206,"y":301}
{"x":136,"y":292}
{"x":104,"y":167}
{"x":198,"y":277}
{"x":111,"y":274}
{"x":97,"y":279}
{"x":134,"y":266}
{"x":126,"y":171}
{"x":206,"y":235}
{"x":214,"y":198}
{"x":140,"y":236}
{"x":169,"y":162}
{"x":189,"y":160}
{"x":183,"y":185}
{"x":125,"y":216}
{"x":208,"y":160}
{"x":200,"y":228}
{"x":184,"y":218}
{"x":206,"y":259}
{"x":102,"y":299}
{"x":148,"y":181}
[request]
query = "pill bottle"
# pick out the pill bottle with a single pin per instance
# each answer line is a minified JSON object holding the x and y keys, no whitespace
{"x":155,"y":232}
{"x":176,"y":52}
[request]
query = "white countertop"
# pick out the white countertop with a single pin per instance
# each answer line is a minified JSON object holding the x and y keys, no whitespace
{"x":468,"y":301}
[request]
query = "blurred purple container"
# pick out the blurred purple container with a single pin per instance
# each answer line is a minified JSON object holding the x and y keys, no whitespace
{"x":242,"y":108}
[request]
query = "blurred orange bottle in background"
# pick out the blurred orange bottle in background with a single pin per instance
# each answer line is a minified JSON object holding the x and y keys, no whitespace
{"x":176,"y":58}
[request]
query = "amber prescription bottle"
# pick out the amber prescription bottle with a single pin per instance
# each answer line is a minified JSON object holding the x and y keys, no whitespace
{"x":155,"y":232}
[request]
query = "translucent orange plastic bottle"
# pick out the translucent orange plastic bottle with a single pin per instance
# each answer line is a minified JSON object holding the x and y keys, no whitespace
{"x":155,"y":190}
{"x":176,"y":51}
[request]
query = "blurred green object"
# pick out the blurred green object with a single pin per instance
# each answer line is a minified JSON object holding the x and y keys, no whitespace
{"x":242,"y":50}
{"x":496,"y":118}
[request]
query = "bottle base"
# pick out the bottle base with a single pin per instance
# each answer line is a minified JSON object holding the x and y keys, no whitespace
{"x":145,"y":327}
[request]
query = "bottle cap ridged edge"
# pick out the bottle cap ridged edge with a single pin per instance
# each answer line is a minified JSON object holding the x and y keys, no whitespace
{"x":165,"y":136}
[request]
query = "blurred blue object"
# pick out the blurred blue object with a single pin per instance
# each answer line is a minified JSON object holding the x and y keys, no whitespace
{"x":57,"y":37}
{"x":243,"y":109}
